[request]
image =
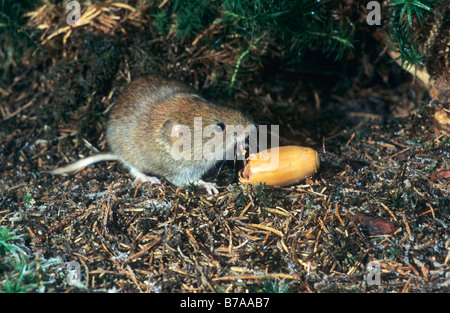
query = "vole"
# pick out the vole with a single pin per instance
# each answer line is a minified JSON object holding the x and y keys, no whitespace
{"x":144,"y":126}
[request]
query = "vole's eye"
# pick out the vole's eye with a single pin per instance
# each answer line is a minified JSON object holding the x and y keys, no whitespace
{"x":220,"y":127}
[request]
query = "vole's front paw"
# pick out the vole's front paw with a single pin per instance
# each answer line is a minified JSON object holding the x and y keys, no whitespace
{"x":210,"y":187}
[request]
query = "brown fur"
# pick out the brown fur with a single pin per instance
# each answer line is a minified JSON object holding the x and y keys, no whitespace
{"x":140,"y":127}
{"x":140,"y":123}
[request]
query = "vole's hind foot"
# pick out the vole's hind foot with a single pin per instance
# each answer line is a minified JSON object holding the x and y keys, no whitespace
{"x":142,"y":178}
{"x":210,"y":187}
{"x":151,"y":180}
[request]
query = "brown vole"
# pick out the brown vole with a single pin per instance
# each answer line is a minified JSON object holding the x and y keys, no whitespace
{"x":152,"y":117}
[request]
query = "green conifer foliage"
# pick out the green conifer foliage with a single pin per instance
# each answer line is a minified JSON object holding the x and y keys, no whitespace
{"x":297,"y":26}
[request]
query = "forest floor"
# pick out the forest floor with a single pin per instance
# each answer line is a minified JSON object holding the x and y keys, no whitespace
{"x":381,"y":194}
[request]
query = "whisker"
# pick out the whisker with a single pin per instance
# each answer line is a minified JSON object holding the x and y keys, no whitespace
{"x":234,"y":167}
{"x":220,"y":168}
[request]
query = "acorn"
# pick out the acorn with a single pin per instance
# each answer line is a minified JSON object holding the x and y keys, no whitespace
{"x":280,"y":166}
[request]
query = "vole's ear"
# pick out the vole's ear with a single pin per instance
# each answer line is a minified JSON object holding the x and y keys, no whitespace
{"x":167,"y":128}
{"x":173,"y":131}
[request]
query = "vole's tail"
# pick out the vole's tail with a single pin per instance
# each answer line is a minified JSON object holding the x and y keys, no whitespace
{"x":83,"y":163}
